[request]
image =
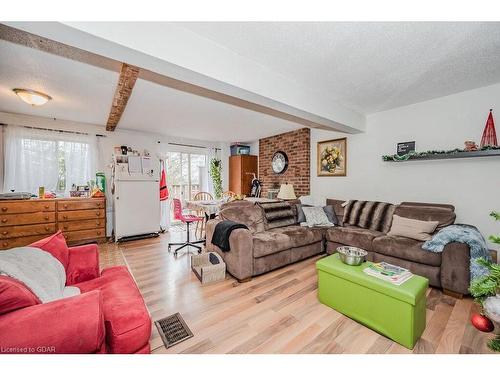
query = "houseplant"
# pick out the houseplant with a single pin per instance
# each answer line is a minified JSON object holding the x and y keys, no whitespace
{"x":486,"y":292}
{"x":215,"y":175}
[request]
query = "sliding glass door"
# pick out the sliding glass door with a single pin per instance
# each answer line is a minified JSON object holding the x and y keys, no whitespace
{"x":186,"y":175}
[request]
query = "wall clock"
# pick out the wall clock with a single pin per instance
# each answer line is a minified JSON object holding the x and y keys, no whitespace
{"x":279,"y":162}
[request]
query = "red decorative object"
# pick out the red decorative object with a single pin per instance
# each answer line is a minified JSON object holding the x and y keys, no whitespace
{"x":482,"y":323}
{"x":163,"y":186}
{"x":489,"y":134}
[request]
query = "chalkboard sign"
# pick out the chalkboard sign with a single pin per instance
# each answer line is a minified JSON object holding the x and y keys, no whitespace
{"x":405,"y":147}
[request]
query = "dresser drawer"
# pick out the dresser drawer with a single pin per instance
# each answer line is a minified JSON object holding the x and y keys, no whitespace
{"x":19,"y":241}
{"x":27,"y":230}
{"x":26,"y":206}
{"x":81,"y":224}
{"x":87,"y":204}
{"x":79,"y":235}
{"x":80,"y":215}
{"x":29,"y":218}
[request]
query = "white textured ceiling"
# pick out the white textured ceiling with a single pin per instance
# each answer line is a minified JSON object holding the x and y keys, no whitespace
{"x":369,"y":66}
{"x":79,"y":92}
{"x":84,"y":93}
{"x":167,"y":111}
{"x":365,"y":66}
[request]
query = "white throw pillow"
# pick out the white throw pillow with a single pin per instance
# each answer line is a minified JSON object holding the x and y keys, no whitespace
{"x":307,"y":199}
{"x":315,"y":216}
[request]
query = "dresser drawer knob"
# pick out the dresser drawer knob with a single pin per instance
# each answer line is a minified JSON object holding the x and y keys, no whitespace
{"x":65,"y":217}
{"x":47,"y":229}
{"x":47,"y":207}
{"x":98,"y":213}
{"x":65,"y":227}
{"x":98,"y":204}
{"x":46,"y":218}
{"x":5,"y":233}
{"x":98,"y":232}
{"x":4,"y":220}
{"x":4,"y":209}
{"x":5,"y":244}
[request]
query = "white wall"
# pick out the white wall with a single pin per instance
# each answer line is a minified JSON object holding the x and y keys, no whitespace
{"x":156,"y":144}
{"x":472,"y":185}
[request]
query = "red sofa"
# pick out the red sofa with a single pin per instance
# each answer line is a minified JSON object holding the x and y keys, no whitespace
{"x":109,"y":316}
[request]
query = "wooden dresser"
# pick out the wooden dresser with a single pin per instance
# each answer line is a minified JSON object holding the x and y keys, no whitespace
{"x":241,"y":170}
{"x":82,"y":220}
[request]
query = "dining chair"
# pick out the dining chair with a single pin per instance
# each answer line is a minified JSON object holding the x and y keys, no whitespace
{"x":186,"y":219}
{"x":201,"y":196}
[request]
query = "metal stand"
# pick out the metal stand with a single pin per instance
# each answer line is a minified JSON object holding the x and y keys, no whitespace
{"x":186,"y":244}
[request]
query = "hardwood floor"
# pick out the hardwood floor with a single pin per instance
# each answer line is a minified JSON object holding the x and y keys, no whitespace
{"x":274,"y":313}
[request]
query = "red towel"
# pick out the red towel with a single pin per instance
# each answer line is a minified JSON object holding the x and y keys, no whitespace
{"x":163,"y":186}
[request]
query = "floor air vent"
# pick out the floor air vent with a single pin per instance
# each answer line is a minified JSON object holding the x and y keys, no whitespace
{"x":173,"y":330}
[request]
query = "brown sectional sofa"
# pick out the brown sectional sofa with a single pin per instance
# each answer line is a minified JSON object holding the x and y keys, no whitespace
{"x":448,"y":270}
{"x":261,"y":249}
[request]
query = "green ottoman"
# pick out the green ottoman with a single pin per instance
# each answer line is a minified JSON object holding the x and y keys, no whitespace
{"x":397,"y":312}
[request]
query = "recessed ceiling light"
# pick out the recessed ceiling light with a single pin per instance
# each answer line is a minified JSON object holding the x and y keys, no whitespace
{"x":35,"y":98}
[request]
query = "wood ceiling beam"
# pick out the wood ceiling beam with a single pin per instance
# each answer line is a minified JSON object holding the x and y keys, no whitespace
{"x":126,"y":82}
{"x":40,"y":43}
{"x":27,"y":39}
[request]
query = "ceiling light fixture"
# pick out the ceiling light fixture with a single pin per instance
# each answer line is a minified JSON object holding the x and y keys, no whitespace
{"x":35,"y":98}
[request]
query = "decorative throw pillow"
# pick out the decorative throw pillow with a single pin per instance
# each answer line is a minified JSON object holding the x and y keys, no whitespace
{"x":315,"y":216}
{"x":301,"y":218}
{"x":331,"y":215}
{"x":411,"y":228}
{"x":56,"y":246}
{"x":14,"y":295}
{"x":329,"y":211}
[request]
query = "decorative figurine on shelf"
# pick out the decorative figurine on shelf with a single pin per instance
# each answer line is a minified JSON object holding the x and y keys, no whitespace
{"x":489,"y":134}
{"x":486,"y":292}
{"x":470,"y":146}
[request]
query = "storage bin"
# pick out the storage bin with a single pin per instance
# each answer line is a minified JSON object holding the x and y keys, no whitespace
{"x":208,"y":267}
{"x":239,"y":149}
{"x":397,"y":312}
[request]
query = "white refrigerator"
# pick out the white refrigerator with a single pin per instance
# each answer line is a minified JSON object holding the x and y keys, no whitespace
{"x":136,"y":201}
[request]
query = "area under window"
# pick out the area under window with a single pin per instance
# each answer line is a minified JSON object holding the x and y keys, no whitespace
{"x":52,"y":159}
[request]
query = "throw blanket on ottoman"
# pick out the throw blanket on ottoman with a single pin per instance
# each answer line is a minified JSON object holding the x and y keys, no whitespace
{"x":39,"y":271}
{"x":466,"y":234}
{"x":222,"y":232}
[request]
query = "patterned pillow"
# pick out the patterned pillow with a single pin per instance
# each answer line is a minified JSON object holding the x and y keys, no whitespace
{"x":315,"y":216}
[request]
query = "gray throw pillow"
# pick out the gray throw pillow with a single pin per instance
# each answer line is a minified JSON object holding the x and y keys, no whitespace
{"x":329,"y":211}
{"x":301,"y":218}
{"x":330,"y":214}
{"x":315,"y":216}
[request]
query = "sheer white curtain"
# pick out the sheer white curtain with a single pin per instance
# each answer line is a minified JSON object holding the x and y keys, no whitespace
{"x":53,"y":159}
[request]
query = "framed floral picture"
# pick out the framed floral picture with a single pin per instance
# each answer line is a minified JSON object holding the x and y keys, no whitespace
{"x":332,"y":157}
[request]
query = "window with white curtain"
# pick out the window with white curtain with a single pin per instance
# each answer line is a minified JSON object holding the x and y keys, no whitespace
{"x":53,"y":159}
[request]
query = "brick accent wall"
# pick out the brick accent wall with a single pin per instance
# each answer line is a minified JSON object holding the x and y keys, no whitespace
{"x":296,"y":145}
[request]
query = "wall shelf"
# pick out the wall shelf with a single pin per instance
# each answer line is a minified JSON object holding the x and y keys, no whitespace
{"x":452,"y":155}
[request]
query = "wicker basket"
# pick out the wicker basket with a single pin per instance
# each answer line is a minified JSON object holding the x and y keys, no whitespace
{"x":208,"y":267}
